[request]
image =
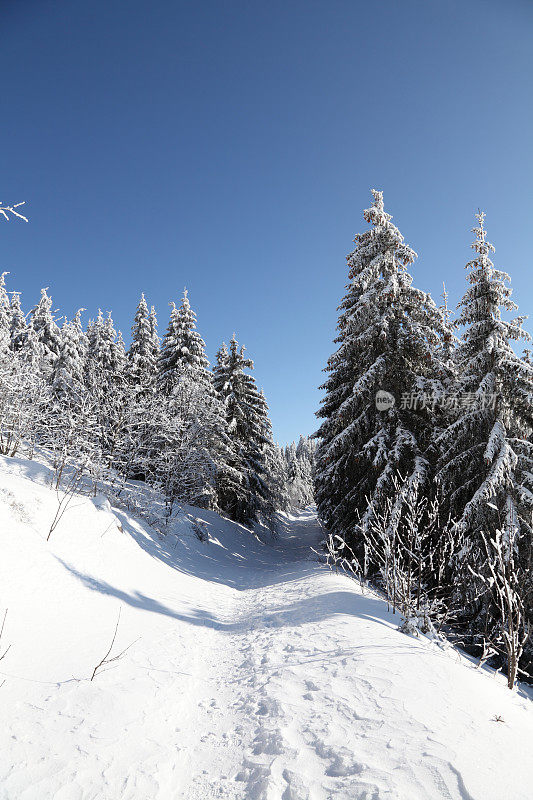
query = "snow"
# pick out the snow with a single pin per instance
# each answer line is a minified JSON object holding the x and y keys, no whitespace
{"x":253,"y":673}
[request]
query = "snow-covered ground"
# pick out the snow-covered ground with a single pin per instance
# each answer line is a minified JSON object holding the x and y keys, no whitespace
{"x":253,"y":672}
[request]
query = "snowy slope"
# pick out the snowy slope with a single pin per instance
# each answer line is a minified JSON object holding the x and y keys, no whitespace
{"x":253,"y":673}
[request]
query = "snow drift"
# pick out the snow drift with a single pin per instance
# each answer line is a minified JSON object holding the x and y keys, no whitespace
{"x":251,"y":671}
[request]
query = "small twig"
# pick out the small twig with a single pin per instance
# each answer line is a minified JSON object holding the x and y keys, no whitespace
{"x":106,"y":659}
{"x":6,"y":210}
{"x":1,"y":632}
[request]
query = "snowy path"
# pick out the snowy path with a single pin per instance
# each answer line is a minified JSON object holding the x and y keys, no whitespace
{"x":258,"y":675}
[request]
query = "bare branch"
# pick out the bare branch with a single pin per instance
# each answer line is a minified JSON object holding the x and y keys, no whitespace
{"x":4,"y":654}
{"x":106,"y":659}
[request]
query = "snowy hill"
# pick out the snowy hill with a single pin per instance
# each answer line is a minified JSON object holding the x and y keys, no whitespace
{"x":252,"y":673}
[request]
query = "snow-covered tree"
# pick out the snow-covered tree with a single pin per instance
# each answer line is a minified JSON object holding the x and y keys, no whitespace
{"x":156,"y":344}
{"x":248,"y":426}
{"x":183,"y":349}
{"x":69,"y":368}
{"x":142,"y":357}
{"x":486,"y":463}
{"x":24,"y":403}
{"x":192,"y":449}
{"x":300,"y":459}
{"x":43,"y":329}
{"x":4,"y":315}
{"x":105,"y":379}
{"x":17,"y":322}
{"x":389,"y":337}
{"x":485,"y":450}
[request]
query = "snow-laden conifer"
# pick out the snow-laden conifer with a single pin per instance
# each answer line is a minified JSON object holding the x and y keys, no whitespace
{"x":69,"y":368}
{"x":486,"y":462}
{"x":142,"y":358}
{"x":248,"y":426}
{"x":183,"y":349}
{"x":17,"y":322}
{"x":486,"y":456}
{"x":389,"y":337}
{"x":4,"y":315}
{"x":44,"y":329}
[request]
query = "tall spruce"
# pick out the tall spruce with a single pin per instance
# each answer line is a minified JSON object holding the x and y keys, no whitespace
{"x":44,"y":330}
{"x":194,"y":450}
{"x":17,"y":322}
{"x":141,"y":356}
{"x":485,"y":451}
{"x":486,"y":462}
{"x":182,"y":350}
{"x":248,"y":426}
{"x":4,"y":315}
{"x":69,"y":368}
{"x":389,"y":338}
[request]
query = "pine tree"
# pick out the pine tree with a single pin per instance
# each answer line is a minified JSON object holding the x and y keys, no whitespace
{"x":389,"y":337}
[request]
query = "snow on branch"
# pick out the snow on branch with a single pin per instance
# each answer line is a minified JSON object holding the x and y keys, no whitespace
{"x":7,"y":211}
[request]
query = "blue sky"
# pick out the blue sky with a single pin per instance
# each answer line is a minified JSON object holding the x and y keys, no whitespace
{"x":230,"y":147}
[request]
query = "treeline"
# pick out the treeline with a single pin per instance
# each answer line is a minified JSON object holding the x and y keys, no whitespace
{"x":424,"y":473}
{"x":154,"y":412}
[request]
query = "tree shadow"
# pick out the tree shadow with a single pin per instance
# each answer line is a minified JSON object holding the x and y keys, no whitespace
{"x":232,"y":555}
{"x":307,"y":610}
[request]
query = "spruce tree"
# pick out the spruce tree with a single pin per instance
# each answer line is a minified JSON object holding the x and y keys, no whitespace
{"x":141,"y":356}
{"x":45,"y":329}
{"x":17,"y":323}
{"x":248,"y":427}
{"x":154,"y":338}
{"x":486,"y":462}
{"x":105,"y":379}
{"x":485,"y":451}
{"x":192,"y":447}
{"x":389,"y":338}
{"x":4,"y":315}
{"x":183,"y":349}
{"x":69,"y":368}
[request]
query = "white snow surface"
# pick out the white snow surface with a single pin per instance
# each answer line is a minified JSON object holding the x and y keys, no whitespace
{"x":254,"y":672}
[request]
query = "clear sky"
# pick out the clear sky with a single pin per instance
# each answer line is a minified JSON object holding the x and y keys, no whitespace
{"x":230,"y":147}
